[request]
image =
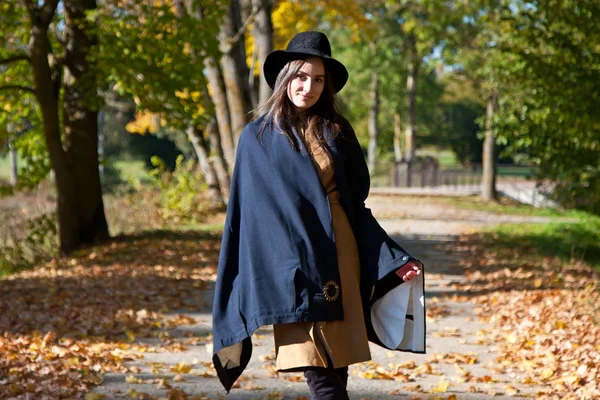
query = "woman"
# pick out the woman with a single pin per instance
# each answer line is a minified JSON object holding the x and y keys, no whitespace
{"x":300,"y":251}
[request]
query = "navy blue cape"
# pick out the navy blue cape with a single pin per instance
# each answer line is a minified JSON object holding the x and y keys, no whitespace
{"x":278,"y":249}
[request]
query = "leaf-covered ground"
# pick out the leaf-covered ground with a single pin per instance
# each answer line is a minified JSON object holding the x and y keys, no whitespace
{"x":544,"y":312}
{"x":69,"y":321}
{"x":125,"y":316}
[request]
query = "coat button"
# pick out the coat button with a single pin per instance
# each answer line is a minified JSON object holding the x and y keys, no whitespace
{"x":331,"y":291}
{"x":404,"y":258}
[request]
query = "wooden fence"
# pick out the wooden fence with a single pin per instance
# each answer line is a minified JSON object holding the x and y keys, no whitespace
{"x":432,"y":175}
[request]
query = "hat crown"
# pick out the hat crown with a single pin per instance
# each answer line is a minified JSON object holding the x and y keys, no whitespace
{"x":315,"y":41}
{"x":302,"y":46}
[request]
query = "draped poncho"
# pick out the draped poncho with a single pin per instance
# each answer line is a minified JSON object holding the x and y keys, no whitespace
{"x":278,"y":260}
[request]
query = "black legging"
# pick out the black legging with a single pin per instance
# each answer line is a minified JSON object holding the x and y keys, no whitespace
{"x":327,"y":383}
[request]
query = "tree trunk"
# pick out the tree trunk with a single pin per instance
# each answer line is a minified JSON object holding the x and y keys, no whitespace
{"x":235,"y":70}
{"x":14,"y":168}
{"x":196,"y":137}
{"x":47,"y":83}
{"x":219,"y":98}
{"x":263,"y":42}
{"x":217,"y":160}
{"x":373,"y":126}
{"x":411,"y":86}
{"x":488,"y":181}
{"x":247,"y":13}
{"x":85,"y":223}
{"x":397,"y":137}
{"x":101,"y":144}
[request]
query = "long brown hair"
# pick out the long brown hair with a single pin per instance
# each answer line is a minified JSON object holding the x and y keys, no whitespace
{"x":324,"y":119}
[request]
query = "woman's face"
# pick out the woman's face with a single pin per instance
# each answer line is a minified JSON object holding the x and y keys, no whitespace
{"x":306,"y":87}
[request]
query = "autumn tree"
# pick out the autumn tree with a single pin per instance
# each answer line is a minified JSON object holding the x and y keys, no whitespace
{"x":548,"y":68}
{"x":166,"y":81}
{"x":473,"y":52}
{"x":70,"y":58}
{"x":536,"y":64}
{"x":47,"y":52}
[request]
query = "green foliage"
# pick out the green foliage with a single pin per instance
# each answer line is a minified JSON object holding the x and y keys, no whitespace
{"x":150,"y":51}
{"x":543,"y":61}
{"x":388,"y":49}
{"x":35,"y":163}
{"x":25,"y":246}
{"x":179,"y":190}
{"x":551,"y":72}
{"x":154,"y":53}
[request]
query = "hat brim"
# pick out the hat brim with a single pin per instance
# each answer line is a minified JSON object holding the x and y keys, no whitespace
{"x":277,"y":59}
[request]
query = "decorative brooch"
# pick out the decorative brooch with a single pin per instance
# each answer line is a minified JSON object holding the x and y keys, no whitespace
{"x":331,"y":286}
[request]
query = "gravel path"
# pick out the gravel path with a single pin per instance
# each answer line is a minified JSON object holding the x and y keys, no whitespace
{"x":456,"y":341}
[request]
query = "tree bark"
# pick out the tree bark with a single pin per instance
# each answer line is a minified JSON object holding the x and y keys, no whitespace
{"x":248,"y":13}
{"x":235,"y":70}
{"x":196,"y":137}
{"x":263,"y":41}
{"x":14,"y":168}
{"x":488,"y":181}
{"x":86,"y":222}
{"x":411,"y":86}
{"x":101,"y":144}
{"x":219,"y":98}
{"x":47,"y":82}
{"x":225,"y":143}
{"x":397,"y":137}
{"x":373,"y":115}
{"x":217,"y":160}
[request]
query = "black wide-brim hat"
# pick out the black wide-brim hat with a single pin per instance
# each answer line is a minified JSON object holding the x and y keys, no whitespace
{"x":302,"y":46}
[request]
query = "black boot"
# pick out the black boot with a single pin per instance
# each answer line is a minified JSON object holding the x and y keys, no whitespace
{"x":327,"y":383}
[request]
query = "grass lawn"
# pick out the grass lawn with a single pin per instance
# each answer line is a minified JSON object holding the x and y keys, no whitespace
{"x":446,"y":158}
{"x":511,"y":207}
{"x":570,"y":242}
{"x":135,"y":169}
{"x":5,"y":167}
{"x":132,"y":169}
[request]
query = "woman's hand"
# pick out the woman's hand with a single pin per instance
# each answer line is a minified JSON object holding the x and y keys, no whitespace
{"x":409,"y":270}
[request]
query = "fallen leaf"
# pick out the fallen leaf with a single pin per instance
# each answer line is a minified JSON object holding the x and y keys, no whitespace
{"x":94,"y":396}
{"x":441,"y":387}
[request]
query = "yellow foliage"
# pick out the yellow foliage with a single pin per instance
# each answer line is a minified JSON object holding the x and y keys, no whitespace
{"x":292,"y":16}
{"x":186,"y":95}
{"x":144,"y":122}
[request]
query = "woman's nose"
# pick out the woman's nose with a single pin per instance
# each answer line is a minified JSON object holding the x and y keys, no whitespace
{"x":308,"y":85}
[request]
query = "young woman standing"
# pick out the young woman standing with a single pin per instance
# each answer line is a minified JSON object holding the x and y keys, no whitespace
{"x":300,"y":251}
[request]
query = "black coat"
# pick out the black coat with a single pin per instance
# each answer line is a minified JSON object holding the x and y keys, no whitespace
{"x":278,"y":250}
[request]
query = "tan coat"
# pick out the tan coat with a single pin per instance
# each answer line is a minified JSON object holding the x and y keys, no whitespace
{"x":307,"y":344}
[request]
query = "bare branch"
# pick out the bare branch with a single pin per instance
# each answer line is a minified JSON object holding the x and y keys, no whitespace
{"x":48,"y":10}
{"x":16,"y":57}
{"x":119,"y":105}
{"x":32,"y":8}
{"x":114,"y":103}
{"x":41,"y":16}
{"x":235,"y":38}
{"x":18,"y":87}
